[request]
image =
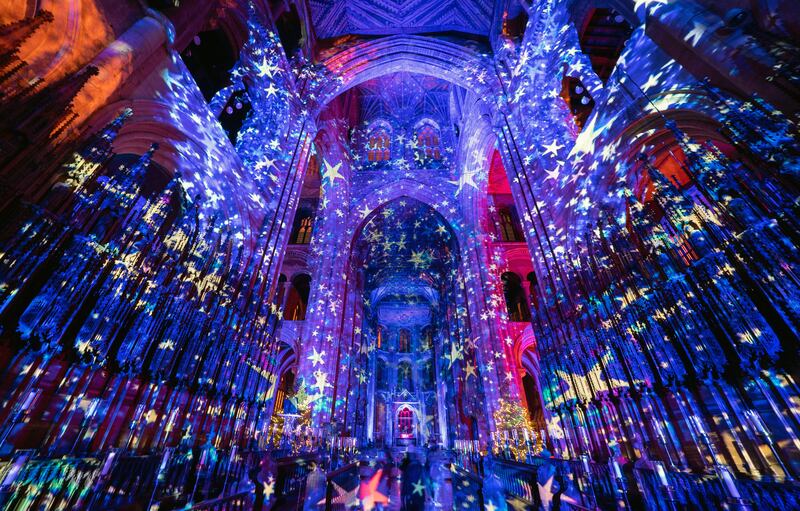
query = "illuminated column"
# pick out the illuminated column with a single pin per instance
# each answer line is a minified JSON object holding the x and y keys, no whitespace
{"x":492,"y":372}
{"x":534,"y":137}
{"x":121,"y":59}
{"x":273,"y":144}
{"x":721,"y":49}
{"x":495,"y":366}
{"x":329,"y":329}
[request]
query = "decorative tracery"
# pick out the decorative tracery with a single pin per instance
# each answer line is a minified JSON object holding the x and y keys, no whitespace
{"x":428,"y":144}
{"x":379,"y":143}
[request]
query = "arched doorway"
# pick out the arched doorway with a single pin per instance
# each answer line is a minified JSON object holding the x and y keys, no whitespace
{"x":406,"y":426}
{"x":516,"y":302}
{"x":298,"y":297}
{"x":406,"y":259}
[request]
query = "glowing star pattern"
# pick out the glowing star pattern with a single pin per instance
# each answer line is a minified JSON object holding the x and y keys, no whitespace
{"x":368,"y":492}
{"x":450,"y":256}
{"x":161,"y":274}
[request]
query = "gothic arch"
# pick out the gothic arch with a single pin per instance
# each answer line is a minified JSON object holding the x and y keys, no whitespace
{"x":649,"y":135}
{"x":56,"y":39}
{"x":695,"y":115}
{"x":17,"y":10}
{"x":524,"y":346}
{"x":298,"y":259}
{"x":405,"y":357}
{"x":652,"y":138}
{"x":286,"y":360}
{"x":422,"y":121}
{"x":408,"y":188}
{"x":152,"y":122}
{"x":298,"y":296}
{"x":416,"y":54}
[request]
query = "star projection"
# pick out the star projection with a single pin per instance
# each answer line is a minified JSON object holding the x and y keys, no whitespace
{"x":470,"y":255}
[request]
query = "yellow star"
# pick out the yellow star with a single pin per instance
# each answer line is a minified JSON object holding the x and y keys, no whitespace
{"x":470,"y":370}
{"x":269,"y":488}
{"x":417,"y":259}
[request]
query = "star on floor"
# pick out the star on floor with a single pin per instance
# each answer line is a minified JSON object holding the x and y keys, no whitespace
{"x":368,"y":492}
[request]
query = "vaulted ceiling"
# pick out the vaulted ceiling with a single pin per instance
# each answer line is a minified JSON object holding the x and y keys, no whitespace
{"x":333,"y":18}
{"x":405,"y":97}
{"x":408,"y":242}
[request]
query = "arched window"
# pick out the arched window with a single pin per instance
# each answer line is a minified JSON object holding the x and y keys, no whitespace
{"x":404,"y":341}
{"x":379,"y":144}
{"x":533,"y":399}
{"x":303,"y":236}
{"x":381,"y":375}
{"x":427,"y":339}
{"x":428,"y":143}
{"x":405,"y":423}
{"x":303,"y":223}
{"x":405,"y":376}
{"x":285,"y":388}
{"x":516,"y":303}
{"x":298,"y":298}
{"x":509,"y":228}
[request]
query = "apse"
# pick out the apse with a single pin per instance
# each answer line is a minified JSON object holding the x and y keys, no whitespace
{"x":408,"y":260}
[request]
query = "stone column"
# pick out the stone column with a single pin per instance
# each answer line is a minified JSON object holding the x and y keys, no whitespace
{"x":331,"y":279}
{"x":120,"y":60}
{"x":709,"y":45}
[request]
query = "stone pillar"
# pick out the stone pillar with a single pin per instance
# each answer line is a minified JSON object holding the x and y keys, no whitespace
{"x":121,"y":59}
{"x":332,"y":278}
{"x":189,"y":18}
{"x":707,"y":45}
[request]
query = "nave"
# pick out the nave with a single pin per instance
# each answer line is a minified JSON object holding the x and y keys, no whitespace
{"x":313,"y":474}
{"x":451,"y":254}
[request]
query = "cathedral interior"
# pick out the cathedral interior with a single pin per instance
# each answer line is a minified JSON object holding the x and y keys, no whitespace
{"x":399,"y":255}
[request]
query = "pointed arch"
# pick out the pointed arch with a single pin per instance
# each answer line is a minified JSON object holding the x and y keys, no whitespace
{"x":457,"y":63}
